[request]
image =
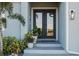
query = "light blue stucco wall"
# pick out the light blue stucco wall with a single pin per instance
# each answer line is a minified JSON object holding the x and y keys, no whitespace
{"x":62,"y":24}
{"x":25,"y":11}
{"x":73,"y":42}
{"x":14,"y":27}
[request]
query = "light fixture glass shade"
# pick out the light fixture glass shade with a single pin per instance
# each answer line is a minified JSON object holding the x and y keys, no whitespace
{"x":72,"y":14}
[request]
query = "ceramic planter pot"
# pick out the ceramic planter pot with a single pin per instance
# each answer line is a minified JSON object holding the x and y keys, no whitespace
{"x":35,"y":39}
{"x":30,"y":45}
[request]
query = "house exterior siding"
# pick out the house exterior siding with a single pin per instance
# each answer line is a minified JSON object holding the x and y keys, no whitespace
{"x":25,"y":11}
{"x":14,"y":27}
{"x":62,"y":24}
{"x":73,"y":27}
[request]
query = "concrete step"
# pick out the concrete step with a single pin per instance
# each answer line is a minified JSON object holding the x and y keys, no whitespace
{"x":44,"y":51}
{"x":48,"y":45}
{"x":30,"y":54}
{"x":45,"y":48}
{"x":46,"y":40}
{"x":53,"y":42}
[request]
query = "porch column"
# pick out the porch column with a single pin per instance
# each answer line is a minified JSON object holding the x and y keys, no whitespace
{"x":25,"y":11}
{"x":62,"y":24}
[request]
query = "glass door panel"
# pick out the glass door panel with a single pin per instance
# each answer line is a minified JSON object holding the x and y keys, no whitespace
{"x":50,"y":24}
{"x":46,"y":23}
{"x":39,"y":22}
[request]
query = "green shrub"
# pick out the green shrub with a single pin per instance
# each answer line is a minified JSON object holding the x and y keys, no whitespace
{"x":35,"y":31}
{"x":39,"y":30}
{"x":1,"y":53}
{"x":7,"y":42}
{"x":13,"y":45}
{"x":28,"y":37}
{"x":22,"y":45}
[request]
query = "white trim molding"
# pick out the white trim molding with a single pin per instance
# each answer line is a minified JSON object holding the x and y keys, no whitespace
{"x":46,"y":8}
{"x":67,"y":27}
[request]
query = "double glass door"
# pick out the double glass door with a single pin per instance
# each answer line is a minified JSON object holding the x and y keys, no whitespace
{"x":45,"y":20}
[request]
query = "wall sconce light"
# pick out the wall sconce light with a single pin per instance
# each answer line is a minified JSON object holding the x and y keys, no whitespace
{"x":72,"y":14}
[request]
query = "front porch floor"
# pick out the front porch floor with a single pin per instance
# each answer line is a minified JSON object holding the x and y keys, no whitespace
{"x":46,"y":48}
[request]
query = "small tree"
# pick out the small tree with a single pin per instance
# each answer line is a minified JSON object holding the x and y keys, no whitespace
{"x":8,"y":7}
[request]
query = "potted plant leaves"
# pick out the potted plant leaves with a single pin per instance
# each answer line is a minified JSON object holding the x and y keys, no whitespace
{"x":22,"y":46}
{"x":7,"y":41}
{"x":29,"y":39}
{"x":15,"y":47}
{"x":39,"y":32}
{"x":35,"y":34}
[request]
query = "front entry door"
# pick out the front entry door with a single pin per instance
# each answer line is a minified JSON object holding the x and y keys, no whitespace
{"x":45,"y":20}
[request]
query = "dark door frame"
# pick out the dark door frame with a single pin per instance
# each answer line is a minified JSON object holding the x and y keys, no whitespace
{"x":56,"y":8}
{"x":44,"y":21}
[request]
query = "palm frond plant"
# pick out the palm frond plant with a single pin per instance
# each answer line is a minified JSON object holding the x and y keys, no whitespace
{"x":8,"y":7}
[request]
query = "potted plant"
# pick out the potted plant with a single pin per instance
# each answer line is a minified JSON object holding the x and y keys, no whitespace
{"x":35,"y":34}
{"x":29,"y":39}
{"x":39,"y":32}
